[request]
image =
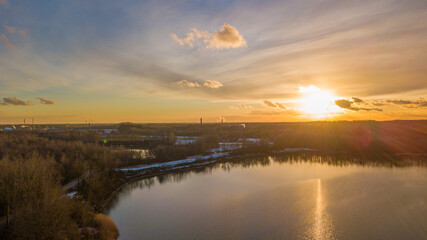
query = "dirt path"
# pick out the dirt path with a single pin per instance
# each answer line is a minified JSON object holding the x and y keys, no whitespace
{"x":72,"y":184}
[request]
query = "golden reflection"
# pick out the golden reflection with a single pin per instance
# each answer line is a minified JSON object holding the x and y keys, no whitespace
{"x":323,"y":227}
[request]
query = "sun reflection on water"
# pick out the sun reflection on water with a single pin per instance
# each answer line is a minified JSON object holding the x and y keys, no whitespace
{"x":322,"y":227}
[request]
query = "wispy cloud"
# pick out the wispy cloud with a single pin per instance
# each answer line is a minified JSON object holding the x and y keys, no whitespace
{"x":227,"y":37}
{"x":15,"y":30}
{"x":240,"y":107}
{"x":207,"y":83}
{"x":15,"y":101}
{"x":243,"y":106}
{"x":6,"y":40}
{"x":187,"y":41}
{"x":46,"y":101}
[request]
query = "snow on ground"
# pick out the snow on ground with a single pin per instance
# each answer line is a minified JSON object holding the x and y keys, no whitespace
{"x":185,"y":141}
{"x":252,"y":140}
{"x":171,"y":164}
{"x":71,"y":194}
{"x":219,"y":152}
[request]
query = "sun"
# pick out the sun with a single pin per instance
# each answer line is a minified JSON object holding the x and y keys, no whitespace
{"x":318,"y":103}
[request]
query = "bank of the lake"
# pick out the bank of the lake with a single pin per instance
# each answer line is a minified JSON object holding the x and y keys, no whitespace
{"x":271,"y":198}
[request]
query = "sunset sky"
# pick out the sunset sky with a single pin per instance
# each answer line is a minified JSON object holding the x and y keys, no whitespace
{"x":177,"y":61}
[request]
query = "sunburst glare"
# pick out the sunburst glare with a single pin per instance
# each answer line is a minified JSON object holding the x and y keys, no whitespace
{"x":318,"y":103}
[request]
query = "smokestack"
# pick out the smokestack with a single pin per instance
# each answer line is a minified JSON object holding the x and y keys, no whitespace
{"x":201,"y":121}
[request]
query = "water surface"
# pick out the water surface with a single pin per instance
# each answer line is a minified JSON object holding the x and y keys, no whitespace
{"x":271,"y":200}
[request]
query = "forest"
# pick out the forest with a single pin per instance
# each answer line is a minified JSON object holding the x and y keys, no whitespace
{"x":36,"y":163}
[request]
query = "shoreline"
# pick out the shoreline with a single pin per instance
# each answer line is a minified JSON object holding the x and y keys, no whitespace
{"x":150,"y":175}
{"x":140,"y":174}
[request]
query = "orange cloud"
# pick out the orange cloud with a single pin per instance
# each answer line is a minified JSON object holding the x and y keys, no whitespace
{"x":212,"y":84}
{"x":227,"y":37}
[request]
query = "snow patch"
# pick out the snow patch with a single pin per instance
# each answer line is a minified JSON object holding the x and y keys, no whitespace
{"x":174,"y":163}
{"x":71,"y":194}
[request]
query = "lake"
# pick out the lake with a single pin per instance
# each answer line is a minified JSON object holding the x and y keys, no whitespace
{"x":269,"y":199}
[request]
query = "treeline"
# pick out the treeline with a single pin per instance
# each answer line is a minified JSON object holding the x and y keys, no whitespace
{"x":351,"y":136}
{"x":164,"y":153}
{"x":32,"y":172}
{"x":32,"y":204}
{"x":73,"y":157}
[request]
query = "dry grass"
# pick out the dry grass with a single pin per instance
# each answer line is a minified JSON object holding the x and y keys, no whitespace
{"x":106,"y":227}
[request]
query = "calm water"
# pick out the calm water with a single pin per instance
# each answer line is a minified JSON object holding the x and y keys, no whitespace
{"x":272,"y":200}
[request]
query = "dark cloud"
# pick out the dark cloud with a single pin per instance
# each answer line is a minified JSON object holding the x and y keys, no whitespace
{"x":274,"y":105}
{"x":357,"y":100}
{"x":378,"y":103}
{"x":349,"y":105}
{"x":409,"y":103}
{"x":15,"y":101}
{"x":269,"y":104}
{"x":343,"y":103}
{"x":46,"y":101}
{"x":281,"y":106}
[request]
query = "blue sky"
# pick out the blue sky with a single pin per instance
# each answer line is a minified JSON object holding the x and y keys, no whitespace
{"x":112,"y":61}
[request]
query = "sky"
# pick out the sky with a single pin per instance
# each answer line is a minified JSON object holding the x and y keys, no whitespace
{"x":177,"y":61}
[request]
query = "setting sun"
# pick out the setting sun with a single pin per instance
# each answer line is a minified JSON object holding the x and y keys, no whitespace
{"x":318,"y":103}
{"x":219,"y":119}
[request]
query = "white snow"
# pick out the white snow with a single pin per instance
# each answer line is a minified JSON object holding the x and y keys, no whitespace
{"x":185,"y":141}
{"x":71,"y":194}
{"x":252,"y":140}
{"x":174,"y":163}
